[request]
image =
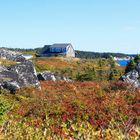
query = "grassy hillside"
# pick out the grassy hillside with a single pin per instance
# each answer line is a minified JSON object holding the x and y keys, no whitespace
{"x":81,"y":69}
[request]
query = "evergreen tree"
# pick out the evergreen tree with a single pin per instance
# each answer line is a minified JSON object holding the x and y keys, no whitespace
{"x":88,"y":75}
{"x":114,"y":74}
{"x":137,"y":59}
{"x":130,"y":66}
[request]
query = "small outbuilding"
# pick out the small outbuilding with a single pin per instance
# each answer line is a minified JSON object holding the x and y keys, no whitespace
{"x":58,"y":50}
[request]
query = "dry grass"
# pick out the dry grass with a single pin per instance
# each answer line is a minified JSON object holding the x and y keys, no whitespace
{"x":6,"y":62}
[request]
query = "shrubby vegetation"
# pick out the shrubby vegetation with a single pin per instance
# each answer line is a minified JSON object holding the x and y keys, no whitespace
{"x":81,"y":69}
{"x":95,"y":55}
{"x":91,"y":107}
{"x":74,"y":110}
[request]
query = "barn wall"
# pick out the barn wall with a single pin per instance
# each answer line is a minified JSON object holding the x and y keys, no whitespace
{"x":70,"y":51}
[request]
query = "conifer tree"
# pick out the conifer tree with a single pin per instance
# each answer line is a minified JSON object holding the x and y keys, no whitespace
{"x":137,"y":59}
{"x":130,"y":66}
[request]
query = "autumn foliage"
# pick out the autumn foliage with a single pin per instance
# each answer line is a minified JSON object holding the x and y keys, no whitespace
{"x":64,"y":110}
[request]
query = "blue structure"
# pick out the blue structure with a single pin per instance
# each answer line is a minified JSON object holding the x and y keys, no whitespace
{"x":123,"y":62}
{"x":58,"y":50}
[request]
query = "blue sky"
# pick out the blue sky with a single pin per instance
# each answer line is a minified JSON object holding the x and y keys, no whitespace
{"x":90,"y":25}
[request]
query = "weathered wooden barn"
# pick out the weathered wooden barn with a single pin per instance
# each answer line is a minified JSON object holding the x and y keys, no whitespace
{"x":58,"y":50}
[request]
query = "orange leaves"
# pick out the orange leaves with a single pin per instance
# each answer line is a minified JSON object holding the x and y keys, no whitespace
{"x":94,"y":102}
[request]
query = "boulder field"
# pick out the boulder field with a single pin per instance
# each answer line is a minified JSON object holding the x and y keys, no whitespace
{"x":23,"y":73}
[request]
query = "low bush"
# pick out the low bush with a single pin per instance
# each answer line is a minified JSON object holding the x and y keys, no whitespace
{"x":71,"y":110}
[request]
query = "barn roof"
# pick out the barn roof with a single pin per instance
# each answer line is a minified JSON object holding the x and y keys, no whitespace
{"x":64,"y":45}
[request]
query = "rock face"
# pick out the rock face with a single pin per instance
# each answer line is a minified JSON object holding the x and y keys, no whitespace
{"x":19,"y":75}
{"x":132,"y":77}
{"x":11,"y":55}
{"x":47,"y":75}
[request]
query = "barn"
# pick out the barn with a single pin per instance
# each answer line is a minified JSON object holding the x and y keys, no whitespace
{"x":66,"y":50}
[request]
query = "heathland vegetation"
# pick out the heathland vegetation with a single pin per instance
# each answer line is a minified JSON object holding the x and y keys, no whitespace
{"x":71,"y":110}
{"x":94,"y":105}
{"x":81,"y":69}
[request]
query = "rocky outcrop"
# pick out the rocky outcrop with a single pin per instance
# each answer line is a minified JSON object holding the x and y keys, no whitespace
{"x":132,"y":77}
{"x":23,"y":73}
{"x":18,"y":76}
{"x":11,"y":55}
{"x":47,"y":75}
